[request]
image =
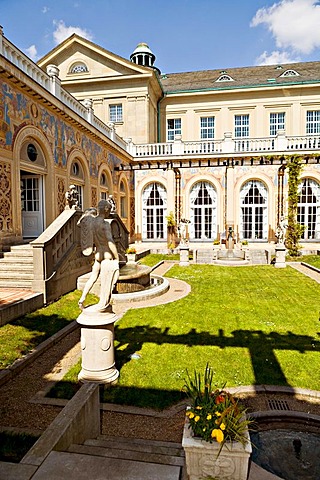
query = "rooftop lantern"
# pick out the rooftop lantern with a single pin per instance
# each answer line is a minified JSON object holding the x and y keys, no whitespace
{"x":142,"y":55}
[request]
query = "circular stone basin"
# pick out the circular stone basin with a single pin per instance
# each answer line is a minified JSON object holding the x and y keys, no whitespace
{"x":288,"y":448}
{"x":133,"y":278}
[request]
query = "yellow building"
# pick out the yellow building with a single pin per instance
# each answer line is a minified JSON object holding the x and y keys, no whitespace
{"x":209,"y":146}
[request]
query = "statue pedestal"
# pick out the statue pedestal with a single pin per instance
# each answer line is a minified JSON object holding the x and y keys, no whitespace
{"x":280,"y":256}
{"x":97,"y":337}
{"x":184,"y":255}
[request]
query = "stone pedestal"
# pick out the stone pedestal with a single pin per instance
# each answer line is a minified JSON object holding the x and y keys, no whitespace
{"x":97,"y":337}
{"x":184,"y":256}
{"x":280,"y":256}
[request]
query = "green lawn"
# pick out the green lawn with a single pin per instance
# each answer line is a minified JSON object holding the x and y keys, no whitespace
{"x":253,"y":325}
{"x":312,"y":260}
{"x":20,"y":336}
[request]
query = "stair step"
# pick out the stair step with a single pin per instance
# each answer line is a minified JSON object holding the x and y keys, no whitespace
{"x":18,"y":253}
{"x":17,"y":274}
{"x":127,"y":455}
{"x":137,"y":445}
{"x":16,"y":266}
{"x":14,"y":283}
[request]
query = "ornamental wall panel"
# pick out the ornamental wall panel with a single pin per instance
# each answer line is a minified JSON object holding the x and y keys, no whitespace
{"x":6,"y":225}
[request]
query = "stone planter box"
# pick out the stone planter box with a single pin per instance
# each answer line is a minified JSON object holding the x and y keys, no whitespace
{"x":131,"y":257}
{"x":203,"y":462}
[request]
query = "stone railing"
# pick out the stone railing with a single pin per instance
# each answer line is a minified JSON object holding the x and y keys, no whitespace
{"x":57,"y":257}
{"x":50,"y":81}
{"x":280,"y":144}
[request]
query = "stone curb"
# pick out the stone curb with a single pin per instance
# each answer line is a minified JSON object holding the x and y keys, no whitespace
{"x":11,"y":371}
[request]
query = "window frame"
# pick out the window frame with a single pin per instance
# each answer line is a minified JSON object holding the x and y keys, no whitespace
{"x":241,"y":129}
{"x":313,"y":124}
{"x":173,"y":130}
{"x":207,"y":131}
{"x":277,"y":123}
{"x":117,"y":115}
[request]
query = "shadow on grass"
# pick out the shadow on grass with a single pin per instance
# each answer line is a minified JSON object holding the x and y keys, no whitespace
{"x":261,"y":346}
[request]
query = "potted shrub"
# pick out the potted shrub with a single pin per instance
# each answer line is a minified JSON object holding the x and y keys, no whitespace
{"x":215,"y":438}
{"x":131,"y":254}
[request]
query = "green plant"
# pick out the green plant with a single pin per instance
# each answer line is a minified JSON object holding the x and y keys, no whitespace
{"x":216,"y":242}
{"x":244,"y":242}
{"x":171,"y":220}
{"x":131,"y":250}
{"x":294,"y":230}
{"x":214,"y":414}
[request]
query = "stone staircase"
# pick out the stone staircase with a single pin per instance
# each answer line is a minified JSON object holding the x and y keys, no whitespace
{"x":122,"y":458}
{"x":16,"y":267}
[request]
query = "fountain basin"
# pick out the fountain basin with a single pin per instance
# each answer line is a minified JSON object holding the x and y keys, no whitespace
{"x":287,"y":444}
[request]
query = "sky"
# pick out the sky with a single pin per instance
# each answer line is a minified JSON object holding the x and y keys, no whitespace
{"x":184,"y":35}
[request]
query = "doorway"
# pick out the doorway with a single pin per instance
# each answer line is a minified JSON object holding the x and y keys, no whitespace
{"x":31,"y":205}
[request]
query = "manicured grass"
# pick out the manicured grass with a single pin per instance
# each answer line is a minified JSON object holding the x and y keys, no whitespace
{"x":18,"y":337}
{"x":253,"y":325}
{"x":154,"y":258}
{"x":312,"y":260}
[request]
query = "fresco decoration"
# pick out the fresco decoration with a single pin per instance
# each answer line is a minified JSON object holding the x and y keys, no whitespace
{"x":113,"y":161}
{"x":5,"y":198}
{"x":17,"y":108}
{"x":94,"y":197}
{"x":61,"y":190}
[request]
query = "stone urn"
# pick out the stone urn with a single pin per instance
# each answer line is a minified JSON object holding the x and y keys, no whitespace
{"x":204,"y":462}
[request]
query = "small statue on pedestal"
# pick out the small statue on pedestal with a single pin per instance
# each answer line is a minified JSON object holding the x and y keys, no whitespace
{"x":72,"y":197}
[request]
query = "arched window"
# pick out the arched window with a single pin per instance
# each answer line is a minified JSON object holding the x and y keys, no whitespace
{"x":154,"y":210}
{"x":123,"y":200}
{"x":78,"y":67}
{"x":309,"y":209}
{"x":254,"y":211}
{"x":203,"y":211}
{"x":104,"y":186}
{"x":77,"y":179}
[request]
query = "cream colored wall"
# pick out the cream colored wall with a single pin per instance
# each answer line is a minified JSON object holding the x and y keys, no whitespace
{"x":224,"y":106}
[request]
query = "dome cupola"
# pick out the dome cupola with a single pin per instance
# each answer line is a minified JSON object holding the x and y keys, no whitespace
{"x":142,"y":55}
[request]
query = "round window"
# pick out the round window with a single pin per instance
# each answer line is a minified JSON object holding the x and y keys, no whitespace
{"x":32,"y":152}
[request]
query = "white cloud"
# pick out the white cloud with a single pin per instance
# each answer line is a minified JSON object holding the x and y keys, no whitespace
{"x":62,"y":32}
{"x":275,"y":58}
{"x":293,"y":23}
{"x":32,"y":52}
{"x":45,"y":10}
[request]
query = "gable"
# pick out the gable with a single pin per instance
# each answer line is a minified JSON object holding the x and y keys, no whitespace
{"x":92,"y":60}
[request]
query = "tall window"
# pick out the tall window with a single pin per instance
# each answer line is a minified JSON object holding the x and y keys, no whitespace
{"x":254,"y":213}
{"x":203,"y":211}
{"x":173,"y":128}
{"x":123,"y":200}
{"x":276,"y":122}
{"x":77,"y":178}
{"x":309,"y":209}
{"x":313,"y":122}
{"x":115,"y":113}
{"x":154,"y":210}
{"x":206,"y":127}
{"x":241,"y":125}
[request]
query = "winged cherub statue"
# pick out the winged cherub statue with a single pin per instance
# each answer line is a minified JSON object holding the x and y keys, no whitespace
{"x":96,"y":236}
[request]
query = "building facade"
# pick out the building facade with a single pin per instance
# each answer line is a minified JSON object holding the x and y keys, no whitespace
{"x":210,"y":147}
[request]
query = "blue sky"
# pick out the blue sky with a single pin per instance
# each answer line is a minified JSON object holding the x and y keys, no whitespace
{"x":185,"y":35}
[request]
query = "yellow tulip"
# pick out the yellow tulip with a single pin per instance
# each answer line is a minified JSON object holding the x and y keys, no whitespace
{"x":197,"y":418}
{"x":217,"y":434}
{"x":209,"y":416}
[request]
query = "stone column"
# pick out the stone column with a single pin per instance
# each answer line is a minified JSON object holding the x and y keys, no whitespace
{"x":97,"y":338}
{"x":184,"y":255}
{"x":280,"y":256}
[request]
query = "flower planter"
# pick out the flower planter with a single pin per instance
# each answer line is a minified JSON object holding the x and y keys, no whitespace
{"x":131,"y":257}
{"x":203,"y":461}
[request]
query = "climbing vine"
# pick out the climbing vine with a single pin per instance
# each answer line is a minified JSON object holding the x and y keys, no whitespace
{"x":294,"y":230}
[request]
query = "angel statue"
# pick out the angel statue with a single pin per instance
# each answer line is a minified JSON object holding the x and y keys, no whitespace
{"x":281,"y":230}
{"x":96,"y":236}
